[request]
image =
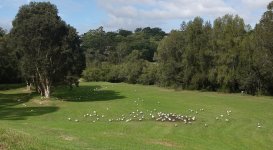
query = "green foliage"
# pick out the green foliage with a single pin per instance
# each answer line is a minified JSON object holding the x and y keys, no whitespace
{"x":229,"y":32}
{"x":9,"y":71}
{"x":126,"y":72}
{"x":169,"y":56}
{"x":2,"y":32}
{"x":97,"y":73}
{"x":124,"y":33}
{"x":227,"y":56}
{"x":264,"y":51}
{"x":149,"y":74}
{"x":134,"y":66}
{"x":121,"y":56}
{"x":224,"y":57}
{"x":96,"y":45}
{"x":49,"y":48}
{"x":116,"y":73}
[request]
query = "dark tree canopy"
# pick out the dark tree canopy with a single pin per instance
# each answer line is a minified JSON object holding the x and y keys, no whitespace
{"x":264,"y":50}
{"x":9,"y":72}
{"x":49,"y":48}
{"x":2,"y":32}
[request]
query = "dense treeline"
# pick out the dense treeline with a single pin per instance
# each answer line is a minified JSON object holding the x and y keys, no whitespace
{"x":224,"y":56}
{"x":120,"y":56}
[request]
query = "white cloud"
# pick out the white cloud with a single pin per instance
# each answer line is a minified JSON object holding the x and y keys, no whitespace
{"x":129,"y":14}
{"x":250,"y":10}
{"x":254,"y":4}
{"x":134,"y":13}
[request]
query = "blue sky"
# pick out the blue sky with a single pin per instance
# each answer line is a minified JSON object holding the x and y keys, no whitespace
{"x":129,"y":14}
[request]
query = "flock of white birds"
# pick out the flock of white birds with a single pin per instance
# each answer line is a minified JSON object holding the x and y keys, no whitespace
{"x":140,"y":115}
{"x":150,"y":115}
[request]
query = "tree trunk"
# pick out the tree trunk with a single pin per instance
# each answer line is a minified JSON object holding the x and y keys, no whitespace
{"x":46,"y":88}
{"x":43,"y":84}
{"x":47,"y":91}
{"x":36,"y":83}
{"x":28,"y":85}
{"x":41,"y":89}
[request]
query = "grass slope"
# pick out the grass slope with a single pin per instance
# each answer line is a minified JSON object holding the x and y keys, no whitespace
{"x":27,"y":122}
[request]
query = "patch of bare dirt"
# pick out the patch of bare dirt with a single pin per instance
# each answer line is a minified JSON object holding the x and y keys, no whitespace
{"x":42,"y":102}
{"x":165,"y":90}
{"x":67,"y":138}
{"x":2,"y":147}
{"x":113,"y":134}
{"x":164,"y":143}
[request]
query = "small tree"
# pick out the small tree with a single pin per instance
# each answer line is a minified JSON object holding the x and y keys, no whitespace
{"x":50,"y":49}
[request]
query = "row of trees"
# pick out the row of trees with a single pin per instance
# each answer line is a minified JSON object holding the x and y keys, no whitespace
{"x":113,"y":47}
{"x":226,"y":56}
{"x":43,"y":50}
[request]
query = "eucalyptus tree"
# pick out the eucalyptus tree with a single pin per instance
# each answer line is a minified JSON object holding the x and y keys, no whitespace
{"x":264,"y":50}
{"x":170,"y":53}
{"x":228,"y":33}
{"x":49,"y":48}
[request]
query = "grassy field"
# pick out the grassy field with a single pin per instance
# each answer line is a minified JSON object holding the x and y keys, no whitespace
{"x":28,"y":122}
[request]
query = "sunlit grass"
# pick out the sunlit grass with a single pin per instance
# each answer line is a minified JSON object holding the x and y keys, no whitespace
{"x":46,"y":125}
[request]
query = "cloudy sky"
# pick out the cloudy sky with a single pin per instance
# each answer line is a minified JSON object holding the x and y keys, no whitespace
{"x":129,"y":14}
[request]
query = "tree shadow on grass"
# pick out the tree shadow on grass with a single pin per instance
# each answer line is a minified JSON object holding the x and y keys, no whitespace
{"x":12,"y":108}
{"x":86,"y":94}
{"x":10,"y":86}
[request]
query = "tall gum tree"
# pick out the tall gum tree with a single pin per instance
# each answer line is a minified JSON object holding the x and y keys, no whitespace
{"x":50,"y":49}
{"x":264,"y":51}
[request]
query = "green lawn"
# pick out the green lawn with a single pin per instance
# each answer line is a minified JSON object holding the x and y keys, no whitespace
{"x":27,"y":122}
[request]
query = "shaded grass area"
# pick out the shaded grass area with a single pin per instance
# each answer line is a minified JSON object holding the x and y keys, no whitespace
{"x":10,"y":86}
{"x":9,"y":109}
{"x":86,"y":93}
{"x":47,"y":125}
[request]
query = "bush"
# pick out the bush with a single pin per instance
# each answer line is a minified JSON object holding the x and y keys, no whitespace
{"x":116,"y":74}
{"x":149,"y":74}
{"x":92,"y":74}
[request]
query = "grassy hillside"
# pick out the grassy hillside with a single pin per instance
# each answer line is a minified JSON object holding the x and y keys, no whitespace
{"x":69,"y":119}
